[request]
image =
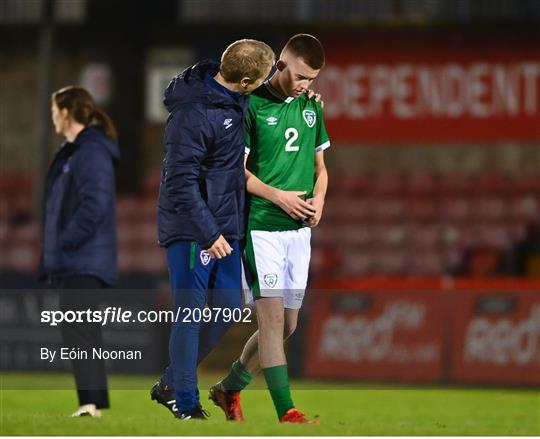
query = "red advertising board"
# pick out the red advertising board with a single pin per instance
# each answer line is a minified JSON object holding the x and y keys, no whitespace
{"x":496,"y":337}
{"x":426,"y":88}
{"x":376,"y":335}
{"x":469,"y":331}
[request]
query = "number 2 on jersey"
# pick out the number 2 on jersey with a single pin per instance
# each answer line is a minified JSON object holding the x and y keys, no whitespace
{"x":291,"y":134}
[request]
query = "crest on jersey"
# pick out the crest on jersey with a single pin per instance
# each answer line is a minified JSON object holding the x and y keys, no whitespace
{"x":310,"y":117}
{"x":270,"y":279}
{"x":205,"y":257}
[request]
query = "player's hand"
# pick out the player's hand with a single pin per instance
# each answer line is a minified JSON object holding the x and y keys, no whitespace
{"x":291,"y":203}
{"x":318,"y":204}
{"x":317,"y":96}
{"x":220,"y":248}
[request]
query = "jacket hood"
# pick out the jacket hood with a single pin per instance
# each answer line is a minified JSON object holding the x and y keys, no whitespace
{"x":190,"y":86}
{"x":93,"y":133}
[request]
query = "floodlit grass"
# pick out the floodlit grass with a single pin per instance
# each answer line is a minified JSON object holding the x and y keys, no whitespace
{"x":367,"y":410}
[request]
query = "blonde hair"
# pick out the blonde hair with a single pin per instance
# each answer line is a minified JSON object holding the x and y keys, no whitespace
{"x":246,"y":58}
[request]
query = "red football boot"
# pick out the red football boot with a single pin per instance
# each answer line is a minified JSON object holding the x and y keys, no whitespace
{"x":295,"y":416}
{"x":228,"y":401}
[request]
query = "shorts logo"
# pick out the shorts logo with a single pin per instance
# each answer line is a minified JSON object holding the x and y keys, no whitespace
{"x":205,"y":257}
{"x":310,"y":117}
{"x":271,"y":120}
{"x":270,"y":279}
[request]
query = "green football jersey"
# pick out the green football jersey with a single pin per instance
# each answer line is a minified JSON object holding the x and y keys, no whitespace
{"x":282,"y":137}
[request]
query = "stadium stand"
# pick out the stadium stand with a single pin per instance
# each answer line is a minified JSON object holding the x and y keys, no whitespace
{"x":385,"y":223}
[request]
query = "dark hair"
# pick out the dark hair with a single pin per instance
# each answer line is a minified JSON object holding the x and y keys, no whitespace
{"x":82,"y":108}
{"x":308,"y":48}
{"x":246,"y":58}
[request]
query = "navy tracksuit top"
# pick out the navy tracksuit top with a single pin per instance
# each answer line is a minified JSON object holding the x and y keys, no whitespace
{"x":202,"y":190}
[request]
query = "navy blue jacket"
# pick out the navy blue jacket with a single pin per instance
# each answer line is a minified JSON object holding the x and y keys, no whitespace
{"x":79,"y":230}
{"x":202,"y":190}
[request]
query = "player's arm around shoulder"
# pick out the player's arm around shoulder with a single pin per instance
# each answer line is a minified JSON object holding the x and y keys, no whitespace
{"x":316,"y":97}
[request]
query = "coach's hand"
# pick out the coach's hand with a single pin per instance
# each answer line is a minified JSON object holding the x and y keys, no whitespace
{"x":318,"y":204}
{"x":220,"y":248}
{"x":291,"y":203}
{"x":316,"y":96}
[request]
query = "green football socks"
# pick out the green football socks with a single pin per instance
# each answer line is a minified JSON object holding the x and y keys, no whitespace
{"x":277,"y":380}
{"x":238,"y":378}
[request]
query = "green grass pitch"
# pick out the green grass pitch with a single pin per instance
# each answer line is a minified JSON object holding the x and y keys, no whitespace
{"x":342,"y":411}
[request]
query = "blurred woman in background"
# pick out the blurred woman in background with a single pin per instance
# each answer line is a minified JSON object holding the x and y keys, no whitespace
{"x":79,"y":230}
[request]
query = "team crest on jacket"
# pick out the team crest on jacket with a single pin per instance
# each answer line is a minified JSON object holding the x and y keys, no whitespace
{"x":310,"y":117}
{"x":270,"y":279}
{"x":205,"y":257}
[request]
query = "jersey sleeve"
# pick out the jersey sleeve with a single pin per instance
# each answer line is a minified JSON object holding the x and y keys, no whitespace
{"x":322,"y":141}
{"x":250,"y":126}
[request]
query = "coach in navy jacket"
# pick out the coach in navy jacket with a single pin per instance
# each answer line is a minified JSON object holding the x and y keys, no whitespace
{"x":201,"y":208}
{"x":202,"y":188}
{"x":79,"y":233}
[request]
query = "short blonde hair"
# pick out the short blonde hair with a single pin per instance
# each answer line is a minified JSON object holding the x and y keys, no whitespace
{"x":246,"y":58}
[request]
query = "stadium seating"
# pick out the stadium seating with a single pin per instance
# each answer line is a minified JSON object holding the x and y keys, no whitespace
{"x":388,"y":223}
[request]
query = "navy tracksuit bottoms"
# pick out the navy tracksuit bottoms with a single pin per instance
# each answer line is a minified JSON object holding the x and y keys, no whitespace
{"x":196,"y":281}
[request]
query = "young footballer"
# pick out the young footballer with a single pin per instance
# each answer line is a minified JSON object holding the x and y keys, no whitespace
{"x":287,"y":180}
